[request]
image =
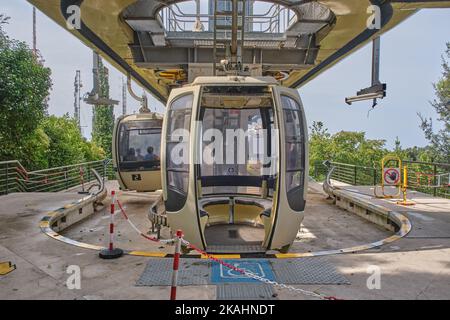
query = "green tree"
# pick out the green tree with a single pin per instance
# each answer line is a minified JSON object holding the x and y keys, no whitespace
{"x":440,"y":140}
{"x":344,"y":146}
{"x":103,"y":123}
{"x":24,"y":88}
{"x":66,"y":144}
{"x":319,"y":144}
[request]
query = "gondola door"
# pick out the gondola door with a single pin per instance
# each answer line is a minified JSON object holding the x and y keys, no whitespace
{"x":291,"y":186}
{"x":178,"y":164}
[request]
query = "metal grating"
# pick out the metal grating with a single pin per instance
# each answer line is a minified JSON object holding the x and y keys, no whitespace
{"x":158,"y":272}
{"x":245,"y":292}
{"x":311,"y":270}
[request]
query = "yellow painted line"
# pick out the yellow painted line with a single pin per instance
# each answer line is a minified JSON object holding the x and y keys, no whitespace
{"x":52,"y":214}
{"x":222,"y":256}
{"x":44,"y":224}
{"x":405,"y":228}
{"x":147,"y":254}
{"x":294,"y":255}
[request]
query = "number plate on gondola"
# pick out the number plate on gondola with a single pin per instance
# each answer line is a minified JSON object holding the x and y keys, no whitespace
{"x":136,"y":177}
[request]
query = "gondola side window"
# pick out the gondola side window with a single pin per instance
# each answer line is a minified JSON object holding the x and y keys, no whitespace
{"x":139,"y":145}
{"x":177,"y":152}
{"x":295,"y":152}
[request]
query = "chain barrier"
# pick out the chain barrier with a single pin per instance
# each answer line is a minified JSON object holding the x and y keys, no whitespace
{"x":162,"y":241}
{"x":225,"y":264}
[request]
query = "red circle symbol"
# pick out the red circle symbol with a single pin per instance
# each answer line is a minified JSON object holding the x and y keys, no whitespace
{"x":392,"y":176}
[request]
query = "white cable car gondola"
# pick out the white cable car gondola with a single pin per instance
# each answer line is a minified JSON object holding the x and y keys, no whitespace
{"x":227,"y":196}
{"x":136,"y":151}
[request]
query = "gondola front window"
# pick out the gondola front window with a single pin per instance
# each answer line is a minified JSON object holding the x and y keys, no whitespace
{"x":295,"y":152}
{"x":139,"y":145}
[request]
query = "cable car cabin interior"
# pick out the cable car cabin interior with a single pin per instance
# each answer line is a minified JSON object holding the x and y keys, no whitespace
{"x":137,"y":152}
{"x":243,"y":186}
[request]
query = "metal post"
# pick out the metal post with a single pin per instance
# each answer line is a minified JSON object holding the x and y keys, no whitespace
{"x":354,"y":180}
{"x":376,"y":61}
{"x":65,"y":178}
{"x":315,"y":170}
{"x":434,"y":182}
{"x":82,"y":178}
{"x":176,"y":262}
{"x":7,"y":178}
{"x":34,"y":33}
{"x":215,"y":38}
{"x":374,"y":176}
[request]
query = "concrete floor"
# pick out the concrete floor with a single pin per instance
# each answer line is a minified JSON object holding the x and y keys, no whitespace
{"x":415,"y":267}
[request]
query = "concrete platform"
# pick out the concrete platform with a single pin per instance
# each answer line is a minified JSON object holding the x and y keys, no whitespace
{"x":414,"y":267}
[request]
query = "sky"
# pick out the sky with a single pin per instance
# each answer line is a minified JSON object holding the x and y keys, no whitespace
{"x":410,"y":63}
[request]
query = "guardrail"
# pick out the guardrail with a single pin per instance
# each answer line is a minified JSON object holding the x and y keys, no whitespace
{"x":15,"y":178}
{"x":426,"y":177}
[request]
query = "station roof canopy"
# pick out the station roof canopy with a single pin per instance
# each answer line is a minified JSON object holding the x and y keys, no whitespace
{"x":167,"y":43}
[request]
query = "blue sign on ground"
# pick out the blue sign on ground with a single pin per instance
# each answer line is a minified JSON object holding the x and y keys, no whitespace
{"x":260,"y":267}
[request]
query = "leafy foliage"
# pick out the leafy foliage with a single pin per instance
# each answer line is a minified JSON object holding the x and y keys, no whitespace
{"x":27,"y":133}
{"x":344,"y":146}
{"x":440,"y":140}
{"x":66,"y":145}
{"x":24,"y":87}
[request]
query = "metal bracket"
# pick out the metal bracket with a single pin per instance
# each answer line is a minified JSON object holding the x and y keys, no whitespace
{"x":377,"y":90}
{"x":93,"y":97}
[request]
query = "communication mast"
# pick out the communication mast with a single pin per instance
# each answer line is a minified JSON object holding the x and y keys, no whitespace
{"x":77,"y":100}
{"x":34,"y":33}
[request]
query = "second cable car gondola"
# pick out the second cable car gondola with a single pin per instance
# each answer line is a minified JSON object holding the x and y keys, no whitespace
{"x":234,"y":163}
{"x":136,"y":151}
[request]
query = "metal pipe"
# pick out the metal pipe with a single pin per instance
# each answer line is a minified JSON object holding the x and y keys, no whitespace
{"x":234,"y":28}
{"x":143,"y":100}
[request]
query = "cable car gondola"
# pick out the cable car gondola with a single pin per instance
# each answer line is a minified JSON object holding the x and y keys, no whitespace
{"x":228,"y":195}
{"x":136,"y":151}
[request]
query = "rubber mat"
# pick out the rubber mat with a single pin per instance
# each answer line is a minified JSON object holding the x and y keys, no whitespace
{"x":310,"y":270}
{"x":158,"y":272}
{"x":245,"y":292}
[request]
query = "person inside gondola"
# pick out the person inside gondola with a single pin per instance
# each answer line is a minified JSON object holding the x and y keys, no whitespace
{"x":139,"y":156}
{"x":131,"y":156}
{"x":150,"y":156}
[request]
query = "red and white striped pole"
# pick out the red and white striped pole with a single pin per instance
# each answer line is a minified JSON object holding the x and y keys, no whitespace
{"x":111,"y":252}
{"x":111,"y":220}
{"x":176,"y":263}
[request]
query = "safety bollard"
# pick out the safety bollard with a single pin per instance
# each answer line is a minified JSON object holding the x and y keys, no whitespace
{"x":111,"y":252}
{"x":176,"y":262}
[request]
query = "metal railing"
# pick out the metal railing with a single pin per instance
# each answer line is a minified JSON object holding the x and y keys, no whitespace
{"x":15,"y":178}
{"x":427,"y":177}
{"x":276,"y":18}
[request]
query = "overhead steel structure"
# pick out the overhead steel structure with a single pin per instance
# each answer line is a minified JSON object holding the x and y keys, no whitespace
{"x":165,"y":44}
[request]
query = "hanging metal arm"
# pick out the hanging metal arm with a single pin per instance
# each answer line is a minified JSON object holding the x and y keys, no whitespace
{"x":377,"y":90}
{"x":143,"y":100}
